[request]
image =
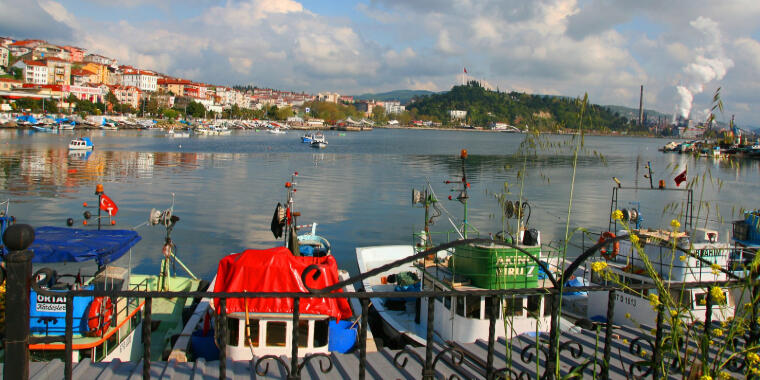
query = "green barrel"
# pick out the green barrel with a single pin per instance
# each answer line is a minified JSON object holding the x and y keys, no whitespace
{"x":496,"y":267}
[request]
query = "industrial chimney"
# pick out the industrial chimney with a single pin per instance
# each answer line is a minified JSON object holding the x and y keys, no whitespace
{"x":641,"y":107}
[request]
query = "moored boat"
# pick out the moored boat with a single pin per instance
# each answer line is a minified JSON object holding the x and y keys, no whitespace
{"x":81,"y":143}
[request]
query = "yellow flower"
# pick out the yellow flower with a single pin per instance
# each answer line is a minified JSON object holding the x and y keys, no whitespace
{"x":675,"y":224}
{"x":717,"y":295}
{"x":654,"y":300}
{"x":747,"y":305}
{"x":724,"y":376}
{"x":717,"y":332}
{"x":705,"y":377}
{"x":711,"y":342}
{"x":703,"y":302}
{"x":634,"y":240}
{"x":625,"y":341}
{"x":673,"y":313}
{"x":617,"y":215}
{"x":628,"y":315}
{"x":643,"y":353}
{"x":598,"y":266}
{"x":682,"y":258}
{"x":753,"y":358}
{"x":715,"y":268}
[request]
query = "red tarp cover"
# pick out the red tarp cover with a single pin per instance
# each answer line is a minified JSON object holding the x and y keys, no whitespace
{"x":277,"y":270}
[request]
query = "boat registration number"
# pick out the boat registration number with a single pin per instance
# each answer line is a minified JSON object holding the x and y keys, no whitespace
{"x":626,"y":299}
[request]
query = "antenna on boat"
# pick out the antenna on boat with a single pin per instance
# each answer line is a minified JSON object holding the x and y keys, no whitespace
{"x":291,"y":240}
{"x":167,"y":219}
{"x":462,"y":196}
{"x":426,"y":199}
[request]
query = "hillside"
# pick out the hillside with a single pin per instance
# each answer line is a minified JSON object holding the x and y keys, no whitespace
{"x":536,"y":111}
{"x":403,"y":96}
{"x":633,"y":113}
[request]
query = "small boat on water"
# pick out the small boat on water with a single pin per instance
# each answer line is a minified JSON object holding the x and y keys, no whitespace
{"x":40,"y":128}
{"x":177,"y":134}
{"x":307,"y":138}
{"x":105,"y":328}
{"x":276,"y":131}
{"x":318,"y":141}
{"x":81,"y":143}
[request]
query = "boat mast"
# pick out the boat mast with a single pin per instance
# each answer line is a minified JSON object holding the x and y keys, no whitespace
{"x":463,"y":195}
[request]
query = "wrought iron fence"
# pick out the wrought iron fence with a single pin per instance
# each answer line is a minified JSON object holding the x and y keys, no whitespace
{"x":549,"y":349}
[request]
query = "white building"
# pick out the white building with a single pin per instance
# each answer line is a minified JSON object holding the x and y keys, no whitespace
{"x":394,"y":107}
{"x":35,"y":72}
{"x":4,"y":54}
{"x":457,"y":114}
{"x":143,"y":80}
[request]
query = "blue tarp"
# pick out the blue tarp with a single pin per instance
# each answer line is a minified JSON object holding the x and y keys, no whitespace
{"x":61,"y":244}
{"x":28,"y":118}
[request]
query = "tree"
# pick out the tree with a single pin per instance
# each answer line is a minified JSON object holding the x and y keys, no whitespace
{"x":151,"y":107}
{"x":196,"y":109}
{"x":379,"y":115}
{"x":170,"y":114}
{"x":111,"y":99}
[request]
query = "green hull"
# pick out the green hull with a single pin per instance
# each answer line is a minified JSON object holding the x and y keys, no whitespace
{"x":496,"y":267}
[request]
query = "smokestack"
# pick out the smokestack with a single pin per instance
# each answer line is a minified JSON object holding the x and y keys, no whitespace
{"x":641,"y":107}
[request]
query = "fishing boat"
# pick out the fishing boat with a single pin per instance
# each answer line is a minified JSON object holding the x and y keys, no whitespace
{"x":261,"y":326}
{"x":674,"y":255}
{"x":177,"y":134}
{"x":81,"y":143}
{"x":105,"y":328}
{"x":40,"y":128}
{"x":466,"y":267}
{"x":307,"y":138}
{"x":319,"y":141}
{"x":276,"y":131}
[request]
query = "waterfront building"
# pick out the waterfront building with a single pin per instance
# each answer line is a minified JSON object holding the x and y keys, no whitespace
{"x":81,"y":77}
{"x":59,"y":71}
{"x":394,"y":107}
{"x":142,"y":79}
{"x":94,"y":94}
{"x":458,"y":114}
{"x":99,"y":59}
{"x":102,"y":72}
{"x":172,"y":85}
{"x":8,"y":84}
{"x":330,"y":97}
{"x":129,"y":95}
{"x":75,"y":54}
{"x":20,"y":48}
{"x":4,"y":56}
{"x":35,"y":72}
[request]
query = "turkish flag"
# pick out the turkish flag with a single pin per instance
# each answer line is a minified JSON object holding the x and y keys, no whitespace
{"x":465,"y":70}
{"x":680,"y":178}
{"x":108,"y":205}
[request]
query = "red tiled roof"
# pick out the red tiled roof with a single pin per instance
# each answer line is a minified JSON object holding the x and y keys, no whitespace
{"x":81,"y":72}
{"x":35,"y":63}
{"x":25,"y":42}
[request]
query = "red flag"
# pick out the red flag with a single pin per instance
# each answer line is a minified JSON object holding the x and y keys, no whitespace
{"x":108,"y":205}
{"x":465,"y":70}
{"x":680,"y":178}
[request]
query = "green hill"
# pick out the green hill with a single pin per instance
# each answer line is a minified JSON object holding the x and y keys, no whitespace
{"x":536,"y":111}
{"x":403,"y":96}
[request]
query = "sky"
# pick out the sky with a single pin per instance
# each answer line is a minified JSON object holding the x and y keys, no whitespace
{"x":681,"y":51}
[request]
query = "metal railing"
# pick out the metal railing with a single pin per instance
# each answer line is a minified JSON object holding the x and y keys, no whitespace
{"x":550,"y":348}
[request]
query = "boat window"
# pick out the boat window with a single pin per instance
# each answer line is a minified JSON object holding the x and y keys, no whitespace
{"x":447,"y":302}
{"x":460,"y":305}
{"x":303,"y":333}
{"x":276,"y":334}
{"x":700,"y":299}
{"x":112,"y":342}
{"x":547,"y":305}
{"x":472,"y":309}
{"x":488,"y":308}
{"x":684,"y":297}
{"x":252,"y":333}
{"x":598,"y":279}
{"x":233,"y":324}
{"x":534,"y":306}
{"x":513,"y":306}
{"x":321,"y":330}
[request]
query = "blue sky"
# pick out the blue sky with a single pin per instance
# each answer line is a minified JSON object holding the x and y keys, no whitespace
{"x":607,"y":48}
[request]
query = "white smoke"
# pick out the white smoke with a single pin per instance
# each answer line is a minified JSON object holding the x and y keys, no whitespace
{"x":711,"y":63}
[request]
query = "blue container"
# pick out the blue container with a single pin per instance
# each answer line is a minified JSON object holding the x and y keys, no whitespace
{"x":203,"y":345}
{"x":342,"y":336}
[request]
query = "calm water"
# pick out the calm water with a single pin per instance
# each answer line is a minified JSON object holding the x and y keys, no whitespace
{"x":358,"y":189}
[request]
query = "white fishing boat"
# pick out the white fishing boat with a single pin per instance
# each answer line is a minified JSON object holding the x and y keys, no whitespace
{"x":276,"y":131}
{"x":177,"y":134}
{"x":464,"y":268}
{"x":674,"y":255}
{"x":319,"y":141}
{"x":81,"y":143}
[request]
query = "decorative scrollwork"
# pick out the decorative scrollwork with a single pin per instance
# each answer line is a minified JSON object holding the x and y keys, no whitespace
{"x":287,"y":369}
{"x":321,"y":362}
{"x":276,"y":358}
{"x":457,"y":357}
{"x":575,"y":348}
{"x":409,"y":352}
{"x":315,"y":273}
{"x":637,"y":348}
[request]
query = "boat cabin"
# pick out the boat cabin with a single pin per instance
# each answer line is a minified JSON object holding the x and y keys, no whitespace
{"x":272,"y":333}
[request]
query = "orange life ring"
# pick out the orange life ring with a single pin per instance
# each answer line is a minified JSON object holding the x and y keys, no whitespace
{"x":99,"y":317}
{"x":606,"y":235}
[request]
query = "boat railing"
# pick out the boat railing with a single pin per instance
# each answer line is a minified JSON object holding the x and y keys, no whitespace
{"x":552,"y":345}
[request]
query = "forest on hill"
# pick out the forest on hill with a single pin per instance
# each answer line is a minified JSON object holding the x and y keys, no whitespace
{"x":485,"y":107}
